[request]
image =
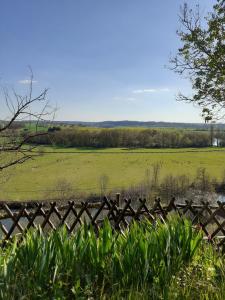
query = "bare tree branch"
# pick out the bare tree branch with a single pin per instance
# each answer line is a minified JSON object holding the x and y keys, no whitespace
{"x":36,"y":110}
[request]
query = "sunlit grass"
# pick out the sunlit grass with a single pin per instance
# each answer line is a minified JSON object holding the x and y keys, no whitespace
{"x":142,"y":260}
{"x":123,"y":167}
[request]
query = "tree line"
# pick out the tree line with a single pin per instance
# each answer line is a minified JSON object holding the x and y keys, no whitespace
{"x":123,"y":137}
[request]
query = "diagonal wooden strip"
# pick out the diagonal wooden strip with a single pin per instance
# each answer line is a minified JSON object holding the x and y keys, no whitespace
{"x":121,"y":215}
{"x":171,"y":206}
{"x":35,"y":214}
{"x":76,"y":215}
{"x":186,"y":207}
{"x":149,"y":215}
{"x":69,"y":209}
{"x":113,"y":211}
{"x":221,"y":243}
{"x":204,"y":207}
{"x":98,"y":212}
{"x":111,"y":207}
{"x":15,"y":219}
{"x":3,"y":228}
{"x":91,"y":219}
{"x":213,"y":218}
{"x":211,"y":215}
{"x":158,"y":209}
{"x":47,"y":216}
{"x":221,"y":209}
{"x":220,"y":228}
{"x":190,"y":208}
{"x":118,"y":212}
{"x":29,"y":216}
{"x":132,"y":213}
{"x":56,"y":211}
{"x":136,"y":214}
{"x":83,"y":207}
{"x":182,"y":208}
{"x":200,"y":212}
{"x":177,"y":209}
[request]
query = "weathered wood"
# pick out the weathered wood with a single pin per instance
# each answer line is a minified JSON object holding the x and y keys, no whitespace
{"x":120,"y":213}
{"x":15,"y":219}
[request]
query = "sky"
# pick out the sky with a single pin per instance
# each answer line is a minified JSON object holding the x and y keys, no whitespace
{"x":100,"y":59}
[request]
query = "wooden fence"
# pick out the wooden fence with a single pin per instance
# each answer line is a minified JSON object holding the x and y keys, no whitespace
{"x":17,"y":219}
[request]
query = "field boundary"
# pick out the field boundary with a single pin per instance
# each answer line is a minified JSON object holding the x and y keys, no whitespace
{"x":133,"y":151}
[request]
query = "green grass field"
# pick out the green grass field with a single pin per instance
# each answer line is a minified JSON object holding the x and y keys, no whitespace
{"x":82,"y":169}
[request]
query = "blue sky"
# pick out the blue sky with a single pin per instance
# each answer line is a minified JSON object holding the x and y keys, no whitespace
{"x":101,"y":59}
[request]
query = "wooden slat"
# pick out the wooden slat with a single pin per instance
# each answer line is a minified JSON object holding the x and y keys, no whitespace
{"x":78,"y":216}
{"x":15,"y":219}
{"x":210,"y":218}
{"x":47,"y":217}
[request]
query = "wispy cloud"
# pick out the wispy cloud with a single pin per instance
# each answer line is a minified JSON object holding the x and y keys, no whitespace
{"x":133,"y":96}
{"x":131,"y":99}
{"x":144,"y":91}
{"x":164,"y":90}
{"x":26,"y":81}
{"x":150,"y":90}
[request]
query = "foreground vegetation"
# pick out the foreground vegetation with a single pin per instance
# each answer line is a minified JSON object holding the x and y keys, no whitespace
{"x":86,"y":170}
{"x":57,"y":267}
{"x":147,"y":261}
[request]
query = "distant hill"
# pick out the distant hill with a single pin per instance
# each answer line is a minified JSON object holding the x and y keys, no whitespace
{"x":149,"y":124}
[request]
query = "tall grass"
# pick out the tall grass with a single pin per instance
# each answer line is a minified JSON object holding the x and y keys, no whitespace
{"x":137,"y":263}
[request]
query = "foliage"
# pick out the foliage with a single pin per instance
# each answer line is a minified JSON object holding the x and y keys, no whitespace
{"x":144,"y":257}
{"x":202,"y":57}
{"x":132,"y":138}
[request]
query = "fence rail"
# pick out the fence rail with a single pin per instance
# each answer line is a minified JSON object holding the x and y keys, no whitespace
{"x":17,"y":219}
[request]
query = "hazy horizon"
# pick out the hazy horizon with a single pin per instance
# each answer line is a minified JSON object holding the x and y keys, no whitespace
{"x":124,"y":120}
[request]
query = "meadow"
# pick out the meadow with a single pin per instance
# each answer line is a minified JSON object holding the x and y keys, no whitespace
{"x":81,"y":169}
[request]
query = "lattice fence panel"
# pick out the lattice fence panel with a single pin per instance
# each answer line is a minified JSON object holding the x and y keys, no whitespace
{"x":51,"y":216}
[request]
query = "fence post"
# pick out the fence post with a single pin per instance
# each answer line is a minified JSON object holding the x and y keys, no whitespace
{"x":118,"y":199}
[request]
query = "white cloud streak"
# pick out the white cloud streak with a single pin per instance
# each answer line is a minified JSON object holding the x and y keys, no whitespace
{"x":26,"y":81}
{"x":164,"y":90}
{"x":144,"y":91}
{"x":130,"y":99}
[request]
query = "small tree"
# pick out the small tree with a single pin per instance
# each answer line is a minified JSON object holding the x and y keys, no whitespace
{"x":202,"y":58}
{"x":27,"y":108}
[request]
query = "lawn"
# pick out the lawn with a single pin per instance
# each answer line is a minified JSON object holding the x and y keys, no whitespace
{"x":82,"y":169}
